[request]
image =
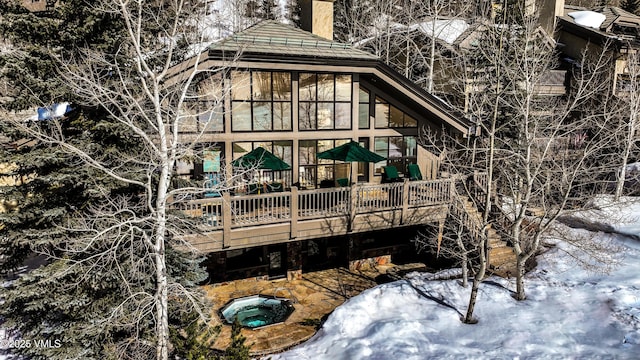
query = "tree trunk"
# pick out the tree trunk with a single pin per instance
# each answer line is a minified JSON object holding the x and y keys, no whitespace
{"x":468,"y":319}
{"x":162,"y":312}
{"x":520,"y":261}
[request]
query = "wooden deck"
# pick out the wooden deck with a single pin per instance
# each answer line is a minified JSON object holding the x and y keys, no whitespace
{"x":235,"y":222}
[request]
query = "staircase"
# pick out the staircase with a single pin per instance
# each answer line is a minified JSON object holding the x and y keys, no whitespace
{"x":502,"y":257}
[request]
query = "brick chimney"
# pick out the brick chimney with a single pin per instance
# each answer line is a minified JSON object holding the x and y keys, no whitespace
{"x":316,"y":16}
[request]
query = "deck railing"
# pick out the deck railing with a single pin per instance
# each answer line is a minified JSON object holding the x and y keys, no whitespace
{"x":252,"y":210}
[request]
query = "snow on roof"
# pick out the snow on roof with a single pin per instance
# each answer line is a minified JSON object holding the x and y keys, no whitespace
{"x":588,"y":18}
{"x":446,"y":30}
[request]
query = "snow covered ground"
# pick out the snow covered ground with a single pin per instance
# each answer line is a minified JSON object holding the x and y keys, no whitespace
{"x":569,"y":312}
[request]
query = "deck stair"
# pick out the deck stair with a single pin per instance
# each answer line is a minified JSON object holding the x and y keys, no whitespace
{"x":501,"y":256}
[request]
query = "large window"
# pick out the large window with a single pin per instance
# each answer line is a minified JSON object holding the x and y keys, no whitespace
{"x":260,"y":101}
{"x":315,"y":172}
{"x":389,"y":116}
{"x":400,"y":151}
{"x":363,"y":109}
{"x":324,"y":101}
{"x":203,"y":109}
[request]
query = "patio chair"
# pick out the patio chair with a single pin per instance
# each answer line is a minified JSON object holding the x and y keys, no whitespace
{"x":414,"y":172}
{"x":390,"y":174}
{"x":254,"y":189}
{"x":275,"y":187}
{"x":342,"y":182}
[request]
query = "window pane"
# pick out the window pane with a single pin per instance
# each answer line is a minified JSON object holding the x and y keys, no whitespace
{"x":325,"y":172}
{"x":282,"y":116}
{"x":409,"y":121}
{"x":395,"y":147}
{"x":212,"y":120}
{"x":240,"y":85}
{"x":343,"y":87}
{"x":241,"y":116}
{"x":325,"y":87}
{"x":395,"y":118}
{"x":307,"y":152}
{"x":188,"y":115}
{"x":382,"y":115}
{"x":411,"y":147}
{"x":364,"y":95}
{"x":307,"y":86}
{"x":381,"y":146}
{"x":261,"y":85}
{"x":284,"y":150}
{"x":307,"y":176}
{"x":307,"y":116}
{"x":343,"y":115}
{"x":240,"y":148}
{"x":261,"y":116}
{"x":363,"y":116}
{"x":211,"y":88}
{"x":281,"y":86}
{"x":324,"y":145}
{"x":325,"y":115}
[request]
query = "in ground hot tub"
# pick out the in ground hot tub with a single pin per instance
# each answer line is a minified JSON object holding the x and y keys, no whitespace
{"x":257,"y":311}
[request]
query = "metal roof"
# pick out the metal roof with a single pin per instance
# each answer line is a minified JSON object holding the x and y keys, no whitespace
{"x":274,"y":38}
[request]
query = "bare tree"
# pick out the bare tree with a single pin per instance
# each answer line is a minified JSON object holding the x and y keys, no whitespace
{"x":545,"y":158}
{"x":135,"y":95}
{"x":541,"y":154}
{"x":626,"y":113}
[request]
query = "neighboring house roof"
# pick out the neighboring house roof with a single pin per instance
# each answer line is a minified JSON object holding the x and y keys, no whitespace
{"x":274,"y":38}
{"x":618,"y":25}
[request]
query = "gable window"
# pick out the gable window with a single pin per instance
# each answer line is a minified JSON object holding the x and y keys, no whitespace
{"x":260,"y":101}
{"x":324,"y":101}
{"x":389,"y":116}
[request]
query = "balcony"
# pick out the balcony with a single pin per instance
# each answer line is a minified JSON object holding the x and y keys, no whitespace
{"x":236,"y":222}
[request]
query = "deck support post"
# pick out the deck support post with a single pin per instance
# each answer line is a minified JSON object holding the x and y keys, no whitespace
{"x":440,"y":234}
{"x":353,"y":204}
{"x":293,"y":212}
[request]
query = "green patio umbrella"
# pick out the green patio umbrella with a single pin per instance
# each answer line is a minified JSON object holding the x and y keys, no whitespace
{"x":351,"y":152}
{"x":259,"y":158}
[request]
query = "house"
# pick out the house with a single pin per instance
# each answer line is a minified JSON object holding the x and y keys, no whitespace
{"x":296,"y":93}
{"x":606,"y":29}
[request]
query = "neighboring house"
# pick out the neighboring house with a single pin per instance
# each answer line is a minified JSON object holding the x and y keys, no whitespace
{"x":297,"y":93}
{"x":610,"y":29}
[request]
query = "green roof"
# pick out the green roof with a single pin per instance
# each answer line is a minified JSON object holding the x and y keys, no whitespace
{"x":274,"y":38}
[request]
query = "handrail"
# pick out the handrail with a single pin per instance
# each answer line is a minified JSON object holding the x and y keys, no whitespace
{"x":269,"y":208}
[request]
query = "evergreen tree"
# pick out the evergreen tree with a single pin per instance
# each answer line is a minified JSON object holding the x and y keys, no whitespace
{"x":91,"y":297}
{"x":237,"y":350}
{"x":269,"y":10}
{"x":294,"y":12}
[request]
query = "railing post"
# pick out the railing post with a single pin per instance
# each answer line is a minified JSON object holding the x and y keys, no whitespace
{"x":452,"y":188}
{"x":405,"y":201}
{"x":293,"y":211}
{"x":226,"y":219}
{"x":353,"y":205}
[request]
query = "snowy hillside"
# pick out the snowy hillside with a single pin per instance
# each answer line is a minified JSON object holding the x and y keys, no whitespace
{"x":569,"y":313}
